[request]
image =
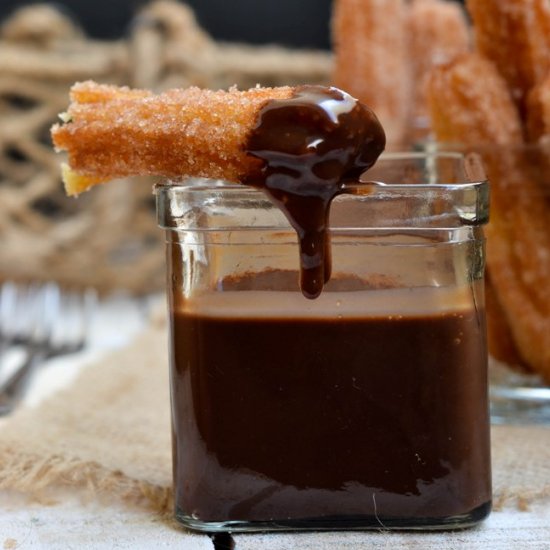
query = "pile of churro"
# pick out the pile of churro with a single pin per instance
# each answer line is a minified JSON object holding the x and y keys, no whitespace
{"x":405,"y":59}
{"x":496,"y":100}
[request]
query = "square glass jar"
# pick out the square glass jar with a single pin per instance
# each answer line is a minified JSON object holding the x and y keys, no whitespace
{"x":364,"y":408}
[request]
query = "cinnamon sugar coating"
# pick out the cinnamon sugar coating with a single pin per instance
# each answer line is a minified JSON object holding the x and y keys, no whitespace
{"x":470,"y":104}
{"x":115,"y":132}
{"x":438,"y":32}
{"x":515,"y":35}
{"x":371,"y":61}
{"x":518,"y":254}
{"x":499,"y":336}
{"x":538,"y":111}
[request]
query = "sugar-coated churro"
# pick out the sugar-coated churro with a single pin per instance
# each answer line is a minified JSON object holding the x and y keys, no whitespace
{"x":499,"y":338}
{"x":515,"y":35}
{"x":438,"y":32}
{"x":518,"y":246}
{"x":371,"y":60}
{"x":115,"y":132}
{"x":479,"y":113}
{"x":469,"y":100}
{"x":538,"y":111}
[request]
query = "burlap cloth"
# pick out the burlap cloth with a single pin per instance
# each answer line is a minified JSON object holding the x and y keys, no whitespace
{"x":108,"y":434}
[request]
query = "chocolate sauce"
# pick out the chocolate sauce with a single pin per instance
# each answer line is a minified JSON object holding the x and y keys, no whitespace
{"x":319,"y":421}
{"x":310,"y":144}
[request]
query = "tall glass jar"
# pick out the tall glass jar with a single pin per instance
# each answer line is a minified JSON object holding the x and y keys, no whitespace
{"x":364,"y":408}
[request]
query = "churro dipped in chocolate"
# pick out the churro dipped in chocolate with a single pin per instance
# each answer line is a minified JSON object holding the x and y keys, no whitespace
{"x":515,"y":35}
{"x":479,"y":113}
{"x":299,"y":145}
{"x":371,"y":60}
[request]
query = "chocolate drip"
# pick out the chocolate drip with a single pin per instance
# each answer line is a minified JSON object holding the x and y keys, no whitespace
{"x":311,"y":144}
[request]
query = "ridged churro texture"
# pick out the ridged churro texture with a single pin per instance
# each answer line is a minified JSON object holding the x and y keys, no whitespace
{"x":471,"y":104}
{"x":538,"y":111}
{"x":114,"y":132}
{"x":515,"y":35}
{"x":371,"y":62}
{"x":518,"y":253}
{"x":438,"y":32}
{"x":499,"y":336}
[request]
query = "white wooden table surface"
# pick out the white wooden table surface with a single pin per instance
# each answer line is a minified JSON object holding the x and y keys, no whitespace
{"x":70,"y":524}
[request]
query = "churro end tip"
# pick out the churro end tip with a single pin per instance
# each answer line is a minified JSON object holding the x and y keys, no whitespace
{"x":76,"y":183}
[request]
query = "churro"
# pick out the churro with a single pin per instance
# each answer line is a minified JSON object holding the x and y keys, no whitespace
{"x":112,"y":132}
{"x":538,"y":111}
{"x":499,"y":337}
{"x":469,"y":102}
{"x":518,"y":240}
{"x":438,"y":32}
{"x":298,"y":145}
{"x":515,"y":35}
{"x":371,"y":60}
{"x":480,"y":114}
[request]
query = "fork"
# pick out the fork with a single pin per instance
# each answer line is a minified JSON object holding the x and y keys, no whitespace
{"x":46,"y":322}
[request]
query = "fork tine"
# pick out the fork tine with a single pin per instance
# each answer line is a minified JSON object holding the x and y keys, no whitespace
{"x":71,"y":328}
{"x":7,"y":307}
{"x":56,"y":323}
{"x":7,"y":301}
{"x":90,"y":300}
{"x":12,"y":312}
{"x":46,"y":303}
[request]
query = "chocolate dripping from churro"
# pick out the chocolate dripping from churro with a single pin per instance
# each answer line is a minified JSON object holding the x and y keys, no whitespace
{"x":311,"y":144}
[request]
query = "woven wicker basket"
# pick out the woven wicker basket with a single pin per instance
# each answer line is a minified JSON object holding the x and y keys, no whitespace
{"x":107,"y":238}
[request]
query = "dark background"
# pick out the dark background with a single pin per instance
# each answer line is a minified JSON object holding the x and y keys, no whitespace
{"x":298,"y":23}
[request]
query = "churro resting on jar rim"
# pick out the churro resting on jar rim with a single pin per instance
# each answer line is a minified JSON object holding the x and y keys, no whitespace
{"x":111,"y":132}
{"x":298,"y":145}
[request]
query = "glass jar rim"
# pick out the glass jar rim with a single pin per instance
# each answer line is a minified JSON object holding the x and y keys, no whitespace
{"x":473,"y":172}
{"x":462,"y":199}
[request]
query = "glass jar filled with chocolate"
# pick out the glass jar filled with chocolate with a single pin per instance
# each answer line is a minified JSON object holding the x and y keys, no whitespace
{"x":357,"y":400}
